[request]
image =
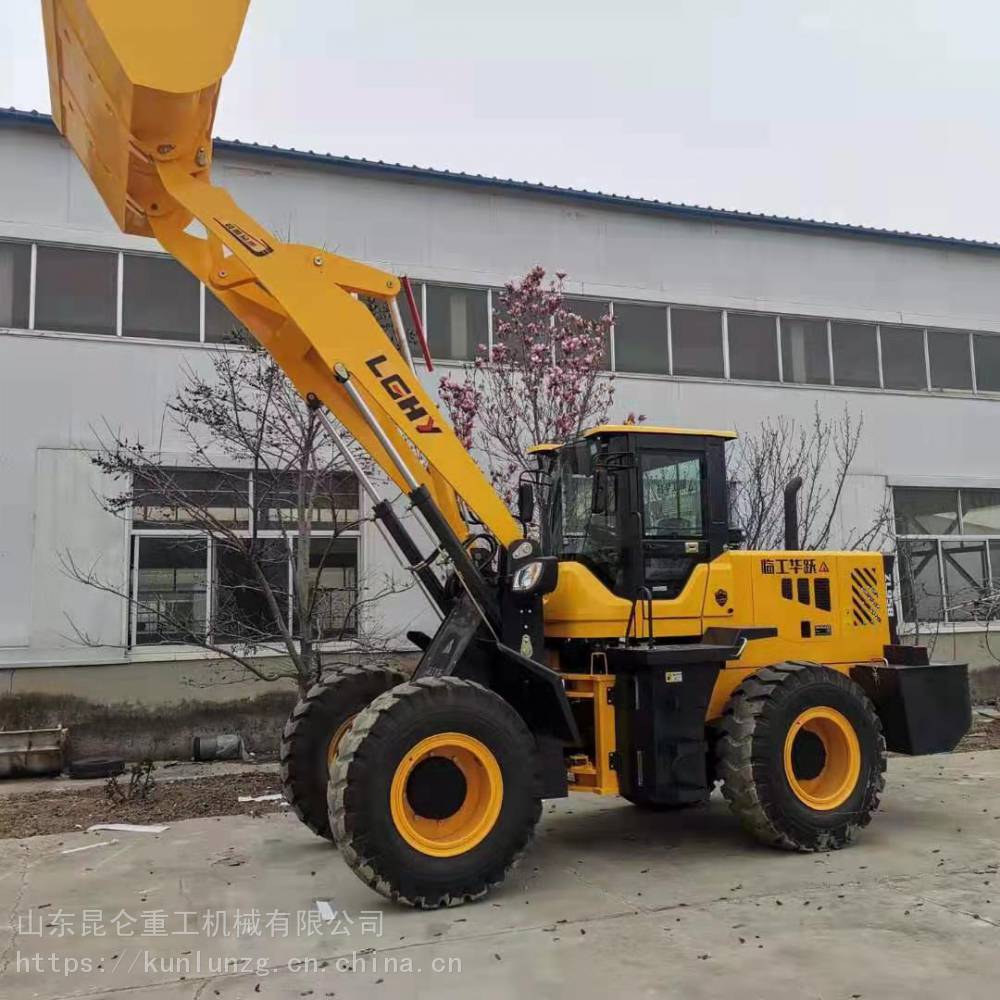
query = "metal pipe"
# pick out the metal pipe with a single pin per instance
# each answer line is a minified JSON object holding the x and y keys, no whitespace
{"x":343,"y":376}
{"x":390,"y":527}
{"x":397,"y":324}
{"x":468,"y":573}
{"x":349,"y":457}
{"x":792,"y":488}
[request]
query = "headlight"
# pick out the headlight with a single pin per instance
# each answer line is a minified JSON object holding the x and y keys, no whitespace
{"x":527,"y":576}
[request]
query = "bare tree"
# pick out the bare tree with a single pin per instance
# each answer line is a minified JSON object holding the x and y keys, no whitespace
{"x":822,"y":452}
{"x":265,"y":486}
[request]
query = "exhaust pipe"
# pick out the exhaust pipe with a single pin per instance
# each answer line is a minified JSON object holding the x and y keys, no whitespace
{"x":792,"y":488}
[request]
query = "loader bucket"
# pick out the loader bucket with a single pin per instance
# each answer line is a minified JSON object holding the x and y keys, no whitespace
{"x":136,"y":81}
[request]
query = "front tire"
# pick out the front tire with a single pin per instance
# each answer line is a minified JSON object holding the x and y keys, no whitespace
{"x":802,"y":757}
{"x":434,"y":793}
{"x":313,"y":733}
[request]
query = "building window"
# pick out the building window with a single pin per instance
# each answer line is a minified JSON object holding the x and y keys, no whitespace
{"x":160,"y":299}
{"x":805,"y":351}
{"x":753,"y":346}
{"x":951,"y":364}
{"x":987,"y":348}
{"x":171,"y":588}
{"x":15,"y":284}
{"x":696,"y":341}
{"x":590,"y":309}
{"x":855,"y":354}
{"x":200,"y":536}
{"x":82,"y":290}
{"x":221,"y":326}
{"x":457,"y":321}
{"x":904,"y":365}
{"x":242,"y":609}
{"x":641,"y":339}
{"x":333,"y":586}
{"x":949,"y":553}
{"x":76,"y":290}
{"x":334,"y":500}
{"x":179,"y":497}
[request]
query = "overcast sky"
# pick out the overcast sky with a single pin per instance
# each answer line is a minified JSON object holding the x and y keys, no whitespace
{"x":882,"y":113}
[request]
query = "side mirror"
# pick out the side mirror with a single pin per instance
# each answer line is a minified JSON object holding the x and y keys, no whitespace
{"x":599,"y":492}
{"x":736,"y":537}
{"x":525,"y":503}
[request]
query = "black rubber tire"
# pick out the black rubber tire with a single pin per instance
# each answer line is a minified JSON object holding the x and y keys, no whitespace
{"x":95,"y":767}
{"x":306,"y":737}
{"x":751,"y":757}
{"x":362,"y":776}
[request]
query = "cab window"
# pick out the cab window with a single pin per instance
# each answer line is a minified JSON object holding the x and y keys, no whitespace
{"x":672,"y":494}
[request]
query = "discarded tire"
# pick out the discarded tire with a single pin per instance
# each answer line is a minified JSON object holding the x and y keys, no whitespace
{"x":434,"y":793}
{"x":313,"y":733}
{"x":802,"y":757}
{"x":96,"y":767}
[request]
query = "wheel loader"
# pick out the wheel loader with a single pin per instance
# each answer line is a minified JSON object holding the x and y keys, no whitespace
{"x":632,"y":648}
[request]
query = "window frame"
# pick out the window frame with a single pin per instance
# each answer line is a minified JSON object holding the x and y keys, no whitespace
{"x":420,"y":285}
{"x":290,"y":537}
{"x":118,"y":332}
{"x":424,"y":305}
{"x":723,"y":342}
{"x":939,"y":541}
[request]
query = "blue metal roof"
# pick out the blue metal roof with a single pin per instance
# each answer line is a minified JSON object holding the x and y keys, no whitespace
{"x":646,"y":206}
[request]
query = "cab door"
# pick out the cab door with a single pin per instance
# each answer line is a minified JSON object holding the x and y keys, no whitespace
{"x":673,"y":518}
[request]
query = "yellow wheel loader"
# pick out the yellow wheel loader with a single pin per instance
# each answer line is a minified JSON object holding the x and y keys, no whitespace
{"x":634,"y":649}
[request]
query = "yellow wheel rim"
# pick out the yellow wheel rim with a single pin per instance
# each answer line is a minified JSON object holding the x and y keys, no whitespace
{"x":446,"y":794}
{"x":334,"y":745}
{"x":822,"y":758}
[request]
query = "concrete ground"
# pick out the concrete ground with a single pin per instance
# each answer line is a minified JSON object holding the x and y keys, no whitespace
{"x":610,"y":902}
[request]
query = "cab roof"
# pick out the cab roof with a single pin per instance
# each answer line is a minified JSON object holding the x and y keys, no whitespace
{"x":652,"y":429}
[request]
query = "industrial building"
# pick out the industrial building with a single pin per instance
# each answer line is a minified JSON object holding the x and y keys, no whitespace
{"x":720,"y":319}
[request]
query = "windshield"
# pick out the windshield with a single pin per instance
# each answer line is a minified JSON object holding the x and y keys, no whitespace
{"x":577,"y":533}
{"x":672,"y":494}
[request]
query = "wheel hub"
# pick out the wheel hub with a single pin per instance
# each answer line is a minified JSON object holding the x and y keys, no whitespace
{"x":446,"y":794}
{"x":822,"y":757}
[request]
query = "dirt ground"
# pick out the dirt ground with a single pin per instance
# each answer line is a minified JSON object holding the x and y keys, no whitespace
{"x":35,"y":813}
{"x":984,"y":735}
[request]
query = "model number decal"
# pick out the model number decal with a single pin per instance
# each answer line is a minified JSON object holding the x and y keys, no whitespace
{"x":792,"y":567}
{"x":256,"y":246}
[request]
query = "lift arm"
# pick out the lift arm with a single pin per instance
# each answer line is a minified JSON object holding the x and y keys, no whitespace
{"x":134,"y":89}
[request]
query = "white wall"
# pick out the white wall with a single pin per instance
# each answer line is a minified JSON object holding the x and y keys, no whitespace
{"x":55,"y":391}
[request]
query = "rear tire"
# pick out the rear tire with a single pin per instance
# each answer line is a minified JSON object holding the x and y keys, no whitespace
{"x":434,"y":793}
{"x":802,"y":757}
{"x":313,"y":733}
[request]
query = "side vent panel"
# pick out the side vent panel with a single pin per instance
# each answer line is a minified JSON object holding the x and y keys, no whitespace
{"x":864,"y":597}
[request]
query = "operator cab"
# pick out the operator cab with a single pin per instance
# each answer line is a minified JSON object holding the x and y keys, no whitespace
{"x":639,"y":506}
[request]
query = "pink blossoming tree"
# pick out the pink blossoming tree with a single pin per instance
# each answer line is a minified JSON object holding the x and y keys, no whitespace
{"x":544,"y":379}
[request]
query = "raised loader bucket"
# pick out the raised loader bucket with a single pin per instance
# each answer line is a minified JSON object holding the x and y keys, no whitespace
{"x":133,"y":81}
